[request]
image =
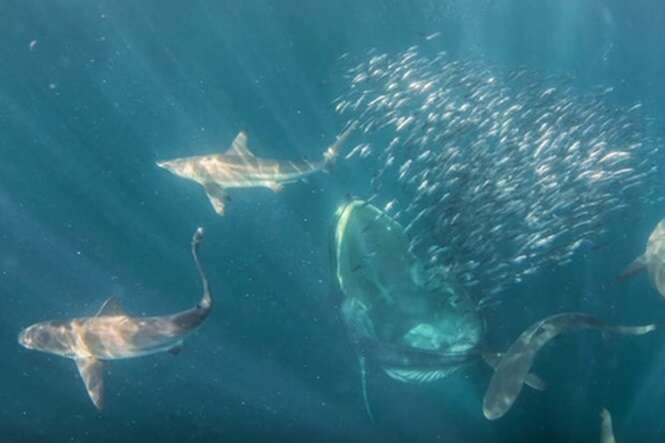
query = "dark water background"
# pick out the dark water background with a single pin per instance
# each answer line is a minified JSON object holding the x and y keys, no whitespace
{"x":111,"y":86}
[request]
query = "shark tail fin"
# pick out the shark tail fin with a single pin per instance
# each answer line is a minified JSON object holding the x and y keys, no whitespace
{"x":206,"y":298}
{"x":639,"y":264}
{"x":332,"y":152}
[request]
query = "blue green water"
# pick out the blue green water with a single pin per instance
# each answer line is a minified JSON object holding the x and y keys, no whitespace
{"x":92,"y":93}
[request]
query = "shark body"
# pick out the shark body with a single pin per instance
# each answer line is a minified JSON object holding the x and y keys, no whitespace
{"x":238,"y":167}
{"x":112,"y":334}
{"x":653,"y":260}
{"x":514,"y":365}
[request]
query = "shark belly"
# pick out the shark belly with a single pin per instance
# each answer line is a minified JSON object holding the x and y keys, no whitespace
{"x":263,"y":180}
{"x":249,"y":183}
{"x":120,"y":337}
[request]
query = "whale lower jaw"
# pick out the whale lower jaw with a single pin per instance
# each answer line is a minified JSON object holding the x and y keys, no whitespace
{"x":418,"y":376}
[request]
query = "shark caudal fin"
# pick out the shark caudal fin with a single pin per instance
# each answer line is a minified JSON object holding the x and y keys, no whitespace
{"x":92,"y":373}
{"x":639,"y":264}
{"x":206,"y":298}
{"x":333,"y":150}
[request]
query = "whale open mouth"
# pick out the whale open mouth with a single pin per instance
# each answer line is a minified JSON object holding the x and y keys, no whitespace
{"x":407,"y":306}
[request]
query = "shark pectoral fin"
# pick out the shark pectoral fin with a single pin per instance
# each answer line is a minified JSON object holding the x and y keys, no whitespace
{"x":532,"y":380}
{"x":535,"y":382}
{"x":110,"y":308}
{"x":91,"y":371}
{"x":363,"y":384}
{"x":491,"y":358}
{"x":275,"y":186}
{"x":639,"y":264}
{"x":217,"y":196}
{"x":176,"y":349}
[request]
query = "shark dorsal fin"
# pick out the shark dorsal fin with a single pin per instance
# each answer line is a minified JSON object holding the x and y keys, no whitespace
{"x":239,"y":146}
{"x":110,"y":308}
{"x":92,"y":373}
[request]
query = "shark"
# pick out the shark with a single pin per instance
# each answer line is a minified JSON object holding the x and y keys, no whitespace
{"x":514,"y":365}
{"x":239,"y":167}
{"x":111,"y":334}
{"x":652,"y":260}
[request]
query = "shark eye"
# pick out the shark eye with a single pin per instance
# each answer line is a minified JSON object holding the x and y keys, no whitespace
{"x":42,"y":336}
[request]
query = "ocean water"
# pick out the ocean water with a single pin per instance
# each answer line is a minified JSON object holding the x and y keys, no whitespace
{"x":92,"y":93}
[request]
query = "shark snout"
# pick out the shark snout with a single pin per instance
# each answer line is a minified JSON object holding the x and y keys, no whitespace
{"x":173,"y":166}
{"x":24,"y":338}
{"x":170,"y":165}
{"x":36,"y":337}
